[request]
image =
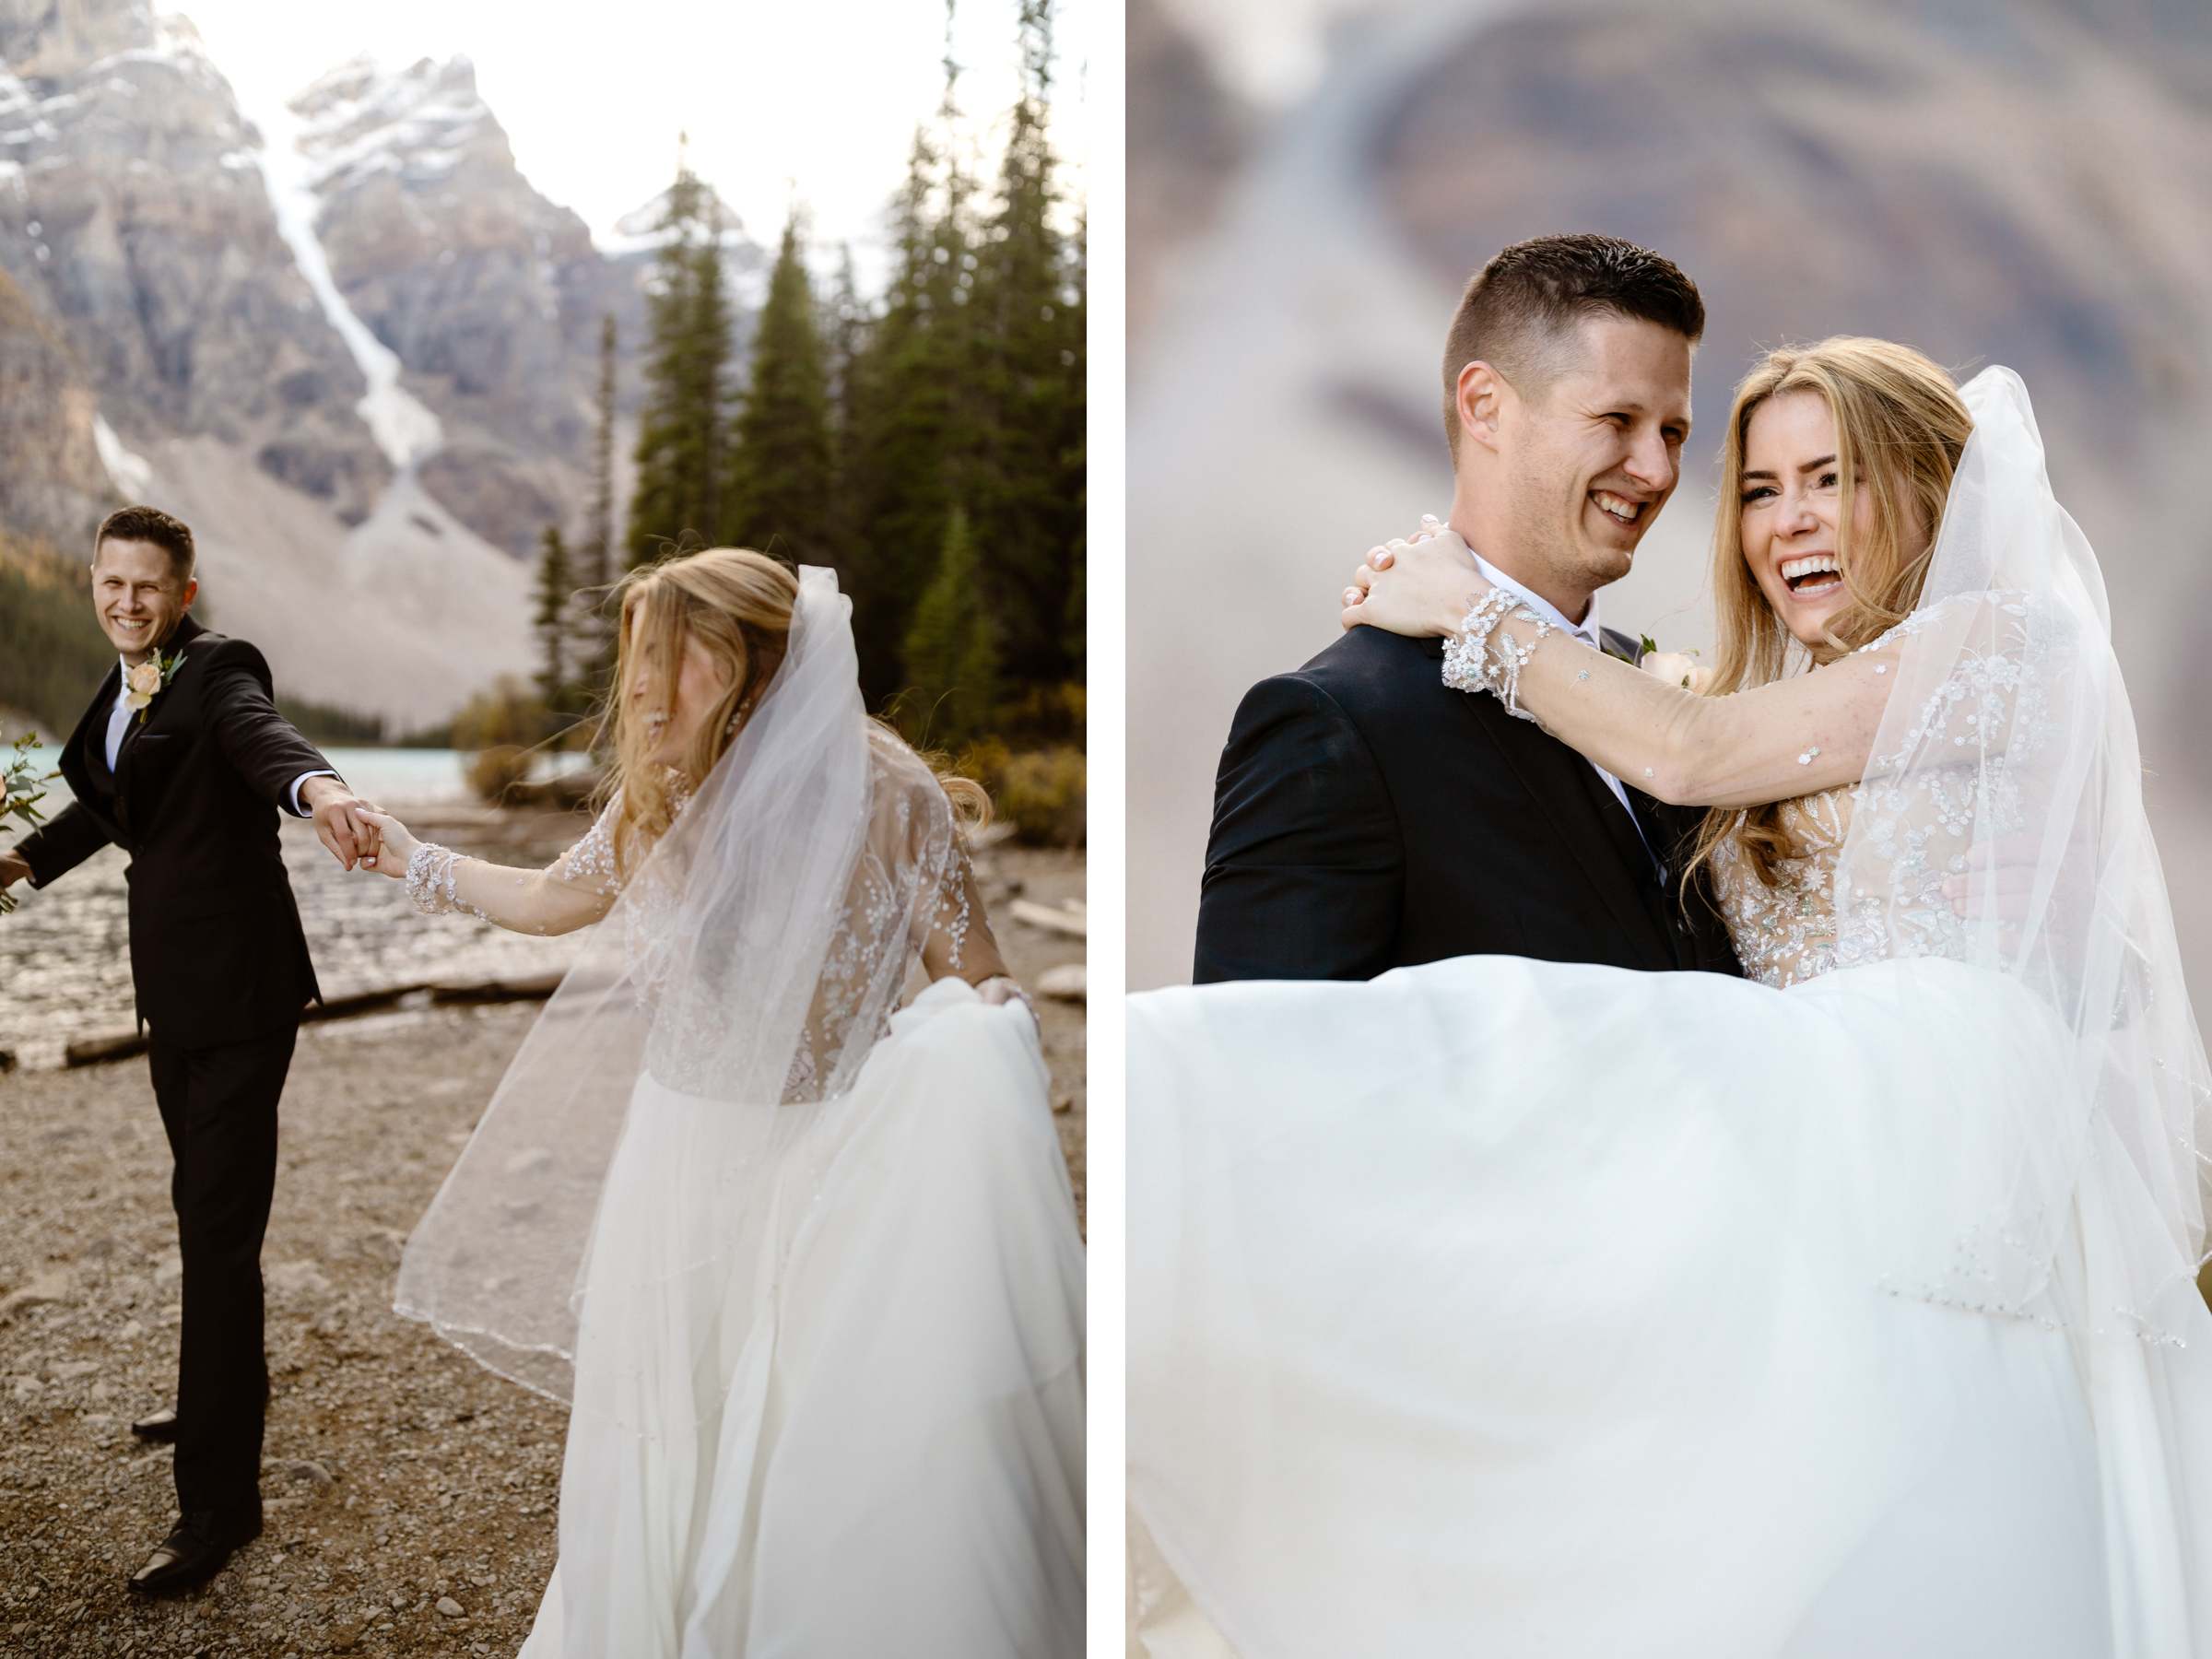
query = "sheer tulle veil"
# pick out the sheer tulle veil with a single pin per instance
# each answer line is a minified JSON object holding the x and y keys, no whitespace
{"x":748,"y":968}
{"x":2002,"y":824}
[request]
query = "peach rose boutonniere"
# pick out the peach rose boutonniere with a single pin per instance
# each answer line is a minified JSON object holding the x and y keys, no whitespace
{"x":149,"y":679}
{"x":1677,"y":667}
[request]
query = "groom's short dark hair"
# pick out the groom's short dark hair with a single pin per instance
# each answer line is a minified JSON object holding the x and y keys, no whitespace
{"x":174,"y":537}
{"x":1519,"y":305}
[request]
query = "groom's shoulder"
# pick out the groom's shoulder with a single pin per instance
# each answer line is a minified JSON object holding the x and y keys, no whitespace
{"x":1367,"y":668}
{"x":1365,"y":675}
{"x":227,"y":653}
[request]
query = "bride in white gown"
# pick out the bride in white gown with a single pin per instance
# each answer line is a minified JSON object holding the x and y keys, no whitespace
{"x":803,"y":1261}
{"x":1500,"y":1307}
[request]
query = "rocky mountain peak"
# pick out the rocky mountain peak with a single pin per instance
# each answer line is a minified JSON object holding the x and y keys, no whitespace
{"x":52,"y":43}
{"x":51,"y":39}
{"x":420,"y":123}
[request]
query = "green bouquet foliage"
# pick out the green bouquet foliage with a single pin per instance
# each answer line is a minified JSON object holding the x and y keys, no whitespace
{"x":22,"y":787}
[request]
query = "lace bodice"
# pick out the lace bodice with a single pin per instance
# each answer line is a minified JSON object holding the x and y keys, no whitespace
{"x":1989,"y":712}
{"x":1787,"y":933}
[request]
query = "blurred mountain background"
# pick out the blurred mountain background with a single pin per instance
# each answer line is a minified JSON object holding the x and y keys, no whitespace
{"x":2016,"y":183}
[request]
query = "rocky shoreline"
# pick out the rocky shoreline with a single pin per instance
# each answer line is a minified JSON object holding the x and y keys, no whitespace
{"x":411,"y":1495}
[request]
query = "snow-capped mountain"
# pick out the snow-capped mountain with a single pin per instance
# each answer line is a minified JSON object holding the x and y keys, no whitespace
{"x":344,"y":338}
{"x":489,"y":296}
{"x":134,"y":218}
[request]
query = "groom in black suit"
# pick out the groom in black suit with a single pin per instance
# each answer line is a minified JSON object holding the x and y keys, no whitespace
{"x":180,"y":761}
{"x":1365,"y":816}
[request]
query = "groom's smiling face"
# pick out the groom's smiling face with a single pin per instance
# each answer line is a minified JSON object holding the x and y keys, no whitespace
{"x":1594,"y":450}
{"x":138,"y":593}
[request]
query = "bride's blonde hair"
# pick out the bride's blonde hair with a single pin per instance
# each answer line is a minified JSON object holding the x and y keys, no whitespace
{"x":1901,"y":430}
{"x":739,"y":605}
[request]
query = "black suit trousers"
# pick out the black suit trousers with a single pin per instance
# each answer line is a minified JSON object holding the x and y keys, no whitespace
{"x":219,"y":1108}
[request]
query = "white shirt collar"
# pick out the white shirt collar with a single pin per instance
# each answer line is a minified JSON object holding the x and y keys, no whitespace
{"x":1585,"y":630}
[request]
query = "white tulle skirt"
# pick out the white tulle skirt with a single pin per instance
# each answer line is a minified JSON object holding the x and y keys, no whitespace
{"x":1508,"y":1308}
{"x":851,"y":1423}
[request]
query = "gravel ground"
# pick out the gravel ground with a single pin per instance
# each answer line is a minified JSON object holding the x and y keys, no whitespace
{"x":410,"y":1495}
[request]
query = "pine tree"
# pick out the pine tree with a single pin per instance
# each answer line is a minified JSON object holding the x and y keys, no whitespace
{"x":916,"y":432}
{"x":845,"y":339}
{"x":597,"y":645}
{"x":782,"y":475}
{"x":1073,"y":459}
{"x":1030,"y":368}
{"x":682,"y":430}
{"x":952,"y":646}
{"x":555,"y":621}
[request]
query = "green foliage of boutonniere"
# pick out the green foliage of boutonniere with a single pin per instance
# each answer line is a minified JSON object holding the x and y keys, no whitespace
{"x":149,"y":679}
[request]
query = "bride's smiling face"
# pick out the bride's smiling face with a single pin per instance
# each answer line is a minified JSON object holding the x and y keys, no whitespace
{"x":671,"y":718}
{"x":1791,"y":512}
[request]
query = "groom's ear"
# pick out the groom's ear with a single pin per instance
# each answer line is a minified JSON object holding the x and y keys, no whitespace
{"x":192,"y":588}
{"x":1481,"y":395}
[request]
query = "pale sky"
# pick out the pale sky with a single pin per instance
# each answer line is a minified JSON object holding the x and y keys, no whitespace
{"x":821,"y":97}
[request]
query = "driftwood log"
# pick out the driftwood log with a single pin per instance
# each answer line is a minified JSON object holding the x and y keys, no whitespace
{"x":125,"y":1046}
{"x":1070,"y":919}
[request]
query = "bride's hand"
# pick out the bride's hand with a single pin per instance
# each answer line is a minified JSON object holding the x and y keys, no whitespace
{"x":395,"y":845}
{"x":1382,"y":557}
{"x":1001,"y":989}
{"x":1423,"y":588}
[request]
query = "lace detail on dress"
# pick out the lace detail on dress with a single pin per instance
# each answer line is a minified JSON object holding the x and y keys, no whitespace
{"x":1992,"y":709}
{"x":1786,"y":932}
{"x":955,"y":903}
{"x":591,"y":862}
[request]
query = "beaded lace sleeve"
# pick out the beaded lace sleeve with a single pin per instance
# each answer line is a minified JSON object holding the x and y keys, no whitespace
{"x":573,"y":891}
{"x":955,"y":930}
{"x":1796,"y":737}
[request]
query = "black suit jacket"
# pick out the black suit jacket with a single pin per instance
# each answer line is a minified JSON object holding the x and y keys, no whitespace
{"x":217,"y":954}
{"x":1367,"y":817}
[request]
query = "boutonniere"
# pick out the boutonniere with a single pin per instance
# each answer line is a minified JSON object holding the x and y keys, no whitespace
{"x":1678,"y":667}
{"x":149,"y":679}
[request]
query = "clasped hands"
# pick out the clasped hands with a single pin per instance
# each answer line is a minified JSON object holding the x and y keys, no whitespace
{"x":1421,"y":585}
{"x":344,"y":822}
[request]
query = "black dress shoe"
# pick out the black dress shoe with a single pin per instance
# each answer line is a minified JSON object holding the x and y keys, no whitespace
{"x":160,"y":1425}
{"x":195,"y":1551}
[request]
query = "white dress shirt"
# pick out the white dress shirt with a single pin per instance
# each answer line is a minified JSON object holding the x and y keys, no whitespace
{"x":119,"y":722}
{"x":1585,"y":630}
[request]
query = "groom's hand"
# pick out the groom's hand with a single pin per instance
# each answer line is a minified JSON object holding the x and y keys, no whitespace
{"x":13,"y":867}
{"x":339,"y":823}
